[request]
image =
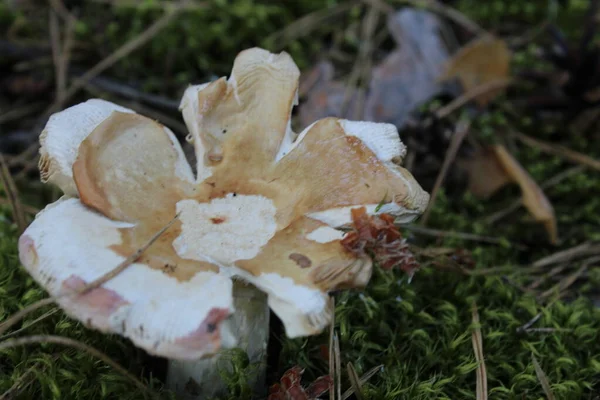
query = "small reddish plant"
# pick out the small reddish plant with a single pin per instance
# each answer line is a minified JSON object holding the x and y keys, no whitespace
{"x":290,"y":386}
{"x":378,"y":236}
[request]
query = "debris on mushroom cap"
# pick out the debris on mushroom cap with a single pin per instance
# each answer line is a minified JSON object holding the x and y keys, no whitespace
{"x":265,"y":207}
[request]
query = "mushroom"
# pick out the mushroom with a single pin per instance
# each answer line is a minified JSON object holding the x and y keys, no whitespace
{"x":258,"y":224}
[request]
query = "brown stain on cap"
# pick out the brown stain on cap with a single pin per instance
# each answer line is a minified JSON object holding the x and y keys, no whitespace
{"x":301,"y":260}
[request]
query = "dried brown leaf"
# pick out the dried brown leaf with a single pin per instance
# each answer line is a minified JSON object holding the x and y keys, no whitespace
{"x":484,"y":60}
{"x":493,"y":167}
{"x":534,"y":198}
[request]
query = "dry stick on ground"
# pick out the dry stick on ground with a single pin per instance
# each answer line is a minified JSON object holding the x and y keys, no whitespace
{"x":26,"y":208}
{"x":581,"y":250}
{"x":332,"y":350}
{"x":363,"y":379}
{"x":556,"y":179}
{"x":117,"y":55}
{"x":553,"y":272}
{"x":307,"y":24}
{"x":29,"y":325}
{"x":188,"y":5}
{"x":92,"y":285}
{"x":28,"y":375}
{"x":354,"y":381}
{"x":559,"y":151}
{"x":435,"y":7}
{"x":13,"y":195}
{"x":362,"y":66}
{"x":25,"y":156}
{"x":477,"y":339}
{"x":472,"y":94}
{"x":561,"y":287}
{"x":61,"y":53}
{"x":461,"y":131}
{"x":529,"y":323}
{"x":542,"y":378}
{"x":20,"y":112}
{"x":338,"y":366}
{"x":59,"y":77}
{"x":64,"y":341}
{"x":461,"y":235}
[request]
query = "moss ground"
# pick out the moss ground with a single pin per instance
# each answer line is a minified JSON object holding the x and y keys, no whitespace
{"x":420,"y":331}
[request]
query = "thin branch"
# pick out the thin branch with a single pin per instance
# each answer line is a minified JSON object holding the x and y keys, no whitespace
{"x":363,"y":379}
{"x":472,"y":94}
{"x":35,"y":321}
{"x":448,"y":12}
{"x":13,"y":195}
{"x":64,"y":341}
{"x":584,"y":249}
{"x":26,"y":208}
{"x":12,"y":392}
{"x":117,"y":55}
{"x":481,"y":372}
{"x":307,"y":24}
{"x":462,"y":235}
{"x":332,"y":369}
{"x":461,"y":131}
{"x":354,"y":381}
{"x":559,"y":151}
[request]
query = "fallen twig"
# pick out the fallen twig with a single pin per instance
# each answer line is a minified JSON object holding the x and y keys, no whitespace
{"x":463,"y":236}
{"x":354,"y":381}
{"x":13,"y":195}
{"x":481,"y":373}
{"x":558,"y":150}
{"x":461,"y":131}
{"x":117,"y":55}
{"x":584,"y":249}
{"x":28,"y":375}
{"x":64,"y":341}
{"x":472,"y":94}
{"x":363,"y":379}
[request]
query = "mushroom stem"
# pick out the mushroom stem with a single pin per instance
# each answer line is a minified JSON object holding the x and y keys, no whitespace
{"x":249,"y":325}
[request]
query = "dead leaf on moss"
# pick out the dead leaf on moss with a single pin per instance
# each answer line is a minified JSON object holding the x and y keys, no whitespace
{"x":410,"y":75}
{"x":484,"y":60}
{"x":406,"y":78}
{"x":493,"y":167}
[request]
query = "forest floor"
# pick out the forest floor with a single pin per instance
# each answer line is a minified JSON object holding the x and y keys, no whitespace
{"x":498,"y":104}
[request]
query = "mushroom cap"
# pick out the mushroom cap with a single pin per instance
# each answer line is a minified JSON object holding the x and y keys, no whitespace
{"x":266,"y":206}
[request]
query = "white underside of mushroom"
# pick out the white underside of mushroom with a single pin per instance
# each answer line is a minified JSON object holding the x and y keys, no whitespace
{"x":225,"y":230}
{"x":67,"y":246}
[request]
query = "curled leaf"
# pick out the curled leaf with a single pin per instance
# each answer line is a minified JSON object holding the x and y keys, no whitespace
{"x":482,"y":61}
{"x":491,"y":168}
